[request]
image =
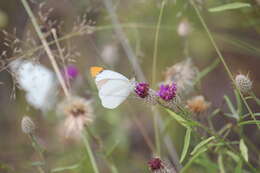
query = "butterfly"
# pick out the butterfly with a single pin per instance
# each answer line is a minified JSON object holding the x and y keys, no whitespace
{"x":113,"y":87}
{"x":39,"y":83}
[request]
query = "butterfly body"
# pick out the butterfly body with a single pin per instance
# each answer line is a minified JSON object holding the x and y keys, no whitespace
{"x":113,"y":87}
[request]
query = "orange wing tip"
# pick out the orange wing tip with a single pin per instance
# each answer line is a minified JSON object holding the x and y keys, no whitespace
{"x":95,"y":70}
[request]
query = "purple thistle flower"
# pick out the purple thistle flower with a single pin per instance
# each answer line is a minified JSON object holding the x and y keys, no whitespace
{"x":156,"y":164}
{"x":71,"y":71}
{"x":142,"y":89}
{"x":167,"y":92}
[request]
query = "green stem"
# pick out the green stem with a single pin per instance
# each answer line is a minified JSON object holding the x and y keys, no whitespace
{"x":155,"y":53}
{"x":38,"y":149}
{"x":222,"y":59}
{"x":89,"y":151}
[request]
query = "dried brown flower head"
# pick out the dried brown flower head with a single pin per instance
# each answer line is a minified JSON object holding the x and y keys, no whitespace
{"x":198,"y":104}
{"x":78,"y":113}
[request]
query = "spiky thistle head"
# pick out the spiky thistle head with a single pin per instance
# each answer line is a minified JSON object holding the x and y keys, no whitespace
{"x":243,"y":83}
{"x":27,"y":125}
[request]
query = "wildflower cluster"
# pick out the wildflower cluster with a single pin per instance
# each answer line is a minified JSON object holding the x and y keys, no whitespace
{"x":165,"y":95}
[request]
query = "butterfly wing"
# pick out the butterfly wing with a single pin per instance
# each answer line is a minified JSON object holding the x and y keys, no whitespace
{"x":38,"y":82}
{"x":113,"y":87}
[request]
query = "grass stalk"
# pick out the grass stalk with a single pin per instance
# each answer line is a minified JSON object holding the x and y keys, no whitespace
{"x":46,"y":46}
{"x":155,"y":54}
{"x":38,"y":149}
{"x":89,"y":151}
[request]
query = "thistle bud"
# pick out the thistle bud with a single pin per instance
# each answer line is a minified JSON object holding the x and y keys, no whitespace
{"x":27,"y":125}
{"x":243,"y":83}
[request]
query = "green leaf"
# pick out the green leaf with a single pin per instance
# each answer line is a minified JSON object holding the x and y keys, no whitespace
{"x":230,"y":6}
{"x":255,"y":122}
{"x":243,"y":149}
{"x":179,"y":119}
{"x":201,"y":144}
{"x":234,"y":156}
{"x":65,"y":168}
{"x":231,"y":108}
{"x":221,"y":164}
{"x":38,"y":163}
{"x":193,"y":158}
{"x":186,"y":144}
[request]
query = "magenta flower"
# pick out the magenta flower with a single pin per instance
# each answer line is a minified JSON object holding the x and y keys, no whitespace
{"x":142,"y":89}
{"x":156,"y":164}
{"x":71,"y":71}
{"x":167,"y":92}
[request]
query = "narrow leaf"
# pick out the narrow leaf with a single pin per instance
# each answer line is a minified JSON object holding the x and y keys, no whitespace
{"x":186,"y":144}
{"x":65,"y":168}
{"x":231,"y":107}
{"x":179,"y":119}
{"x":230,"y":6}
{"x":221,"y":164}
{"x":243,"y":149}
{"x":201,"y":144}
{"x":255,"y":122}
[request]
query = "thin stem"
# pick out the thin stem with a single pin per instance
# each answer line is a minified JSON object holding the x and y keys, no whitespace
{"x":54,"y":33}
{"x":46,"y":46}
{"x":37,"y":148}
{"x":155,"y":53}
{"x":222,"y":59}
{"x":89,"y":151}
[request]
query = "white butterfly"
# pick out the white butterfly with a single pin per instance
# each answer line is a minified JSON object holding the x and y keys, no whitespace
{"x":113,"y":87}
{"x":39,"y":83}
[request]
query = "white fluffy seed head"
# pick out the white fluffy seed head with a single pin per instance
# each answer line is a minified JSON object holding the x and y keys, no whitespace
{"x":27,"y":125}
{"x":243,"y":83}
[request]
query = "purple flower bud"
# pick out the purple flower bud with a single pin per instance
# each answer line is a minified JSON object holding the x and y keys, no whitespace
{"x":142,"y":89}
{"x":71,"y":71}
{"x":156,"y":164}
{"x":167,"y":92}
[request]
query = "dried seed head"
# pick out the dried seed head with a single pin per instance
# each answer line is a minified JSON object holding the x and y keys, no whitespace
{"x":243,"y":83}
{"x":27,"y":125}
{"x":198,"y":104}
{"x":78,"y":113}
{"x":183,"y":74}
